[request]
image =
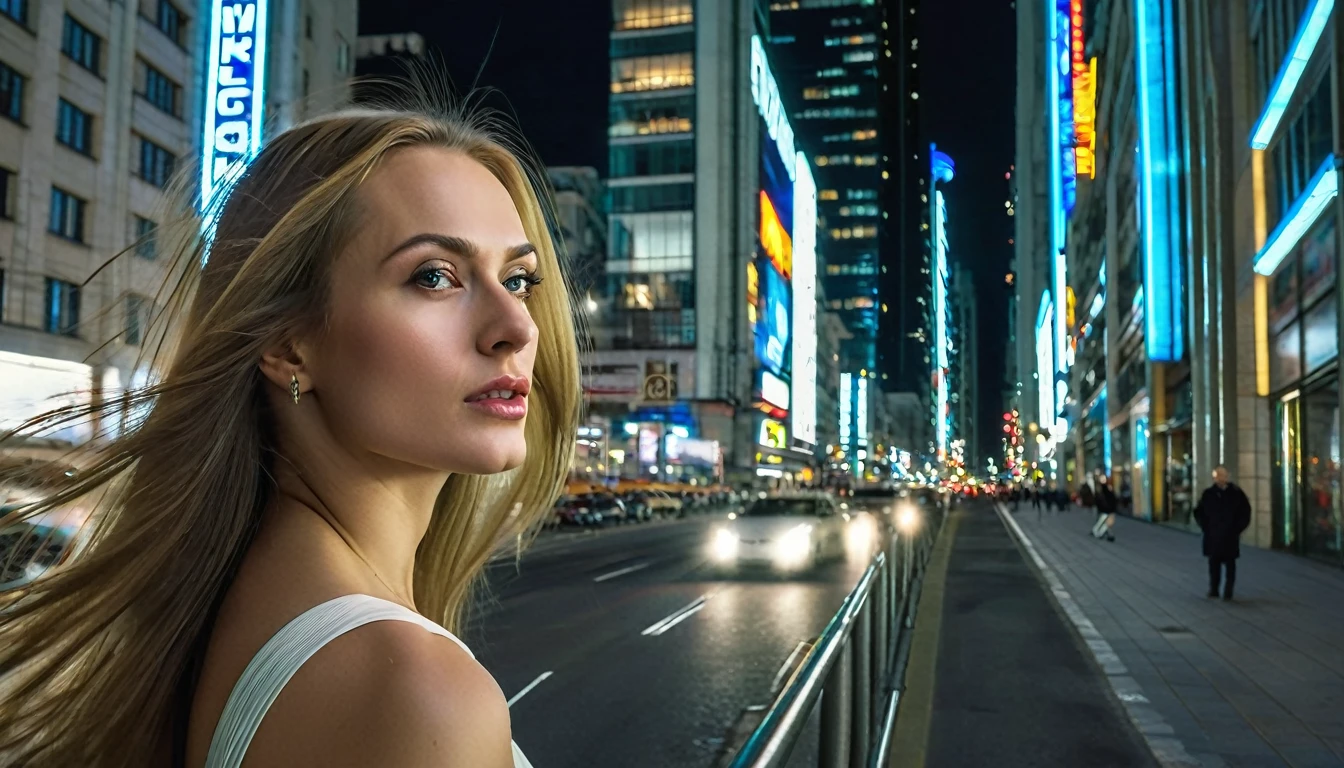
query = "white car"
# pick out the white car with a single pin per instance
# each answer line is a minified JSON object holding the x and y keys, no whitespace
{"x":788,"y":532}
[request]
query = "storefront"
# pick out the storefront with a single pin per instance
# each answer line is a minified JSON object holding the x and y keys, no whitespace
{"x":1304,"y":379}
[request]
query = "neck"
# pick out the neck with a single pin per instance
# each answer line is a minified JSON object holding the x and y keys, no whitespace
{"x":364,"y":515}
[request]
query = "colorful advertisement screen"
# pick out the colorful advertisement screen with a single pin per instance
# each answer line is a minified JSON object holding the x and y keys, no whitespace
{"x":773,"y":324}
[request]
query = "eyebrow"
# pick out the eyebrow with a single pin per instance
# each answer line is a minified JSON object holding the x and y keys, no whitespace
{"x":457,"y":245}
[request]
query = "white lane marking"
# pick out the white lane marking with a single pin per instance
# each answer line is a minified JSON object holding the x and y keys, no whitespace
{"x":1169,"y":750}
{"x":529,"y":688}
{"x":622,"y":572}
{"x":677,"y":616}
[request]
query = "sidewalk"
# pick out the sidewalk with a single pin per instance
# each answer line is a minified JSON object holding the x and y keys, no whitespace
{"x":1257,"y":682}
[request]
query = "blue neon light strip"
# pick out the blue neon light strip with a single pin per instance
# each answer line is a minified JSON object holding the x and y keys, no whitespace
{"x":1164,"y":308}
{"x":1061,"y":179}
{"x":235,"y":87}
{"x":1309,"y":31}
{"x":1308,"y":207}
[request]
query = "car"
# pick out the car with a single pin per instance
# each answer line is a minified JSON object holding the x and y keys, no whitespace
{"x":573,"y":511}
{"x":610,"y":507}
{"x":663,"y":504}
{"x":786,"y":532}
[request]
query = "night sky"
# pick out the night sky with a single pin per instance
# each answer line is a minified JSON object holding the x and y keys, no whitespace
{"x":548,"y":62}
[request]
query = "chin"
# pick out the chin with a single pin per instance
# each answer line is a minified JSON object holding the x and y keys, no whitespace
{"x":490,"y":457}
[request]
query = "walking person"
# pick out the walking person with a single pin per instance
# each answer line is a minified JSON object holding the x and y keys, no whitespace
{"x":357,"y":356}
{"x":1106,"y":504}
{"x":1223,"y":513}
{"x":1036,"y":494}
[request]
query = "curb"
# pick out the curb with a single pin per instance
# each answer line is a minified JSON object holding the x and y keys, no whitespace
{"x":1169,"y":751}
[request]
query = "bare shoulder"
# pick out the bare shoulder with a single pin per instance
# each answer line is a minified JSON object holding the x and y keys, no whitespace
{"x":387,"y":693}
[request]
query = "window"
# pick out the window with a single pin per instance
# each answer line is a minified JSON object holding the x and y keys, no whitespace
{"x":16,"y":10}
{"x":652,"y":197}
{"x":7,"y":183}
{"x":62,"y":308}
{"x":74,"y":127}
{"x":647,"y":14}
{"x":651,"y":242}
{"x":156,"y":163}
{"x":651,"y":73}
{"x":342,"y":55}
{"x":143,"y":234}
{"x":137,"y":318}
{"x":81,"y":45}
{"x":865,"y":159}
{"x":832,"y":72}
{"x":171,"y":22}
{"x":853,"y":57}
{"x":653,"y":115}
{"x":860,"y":194}
{"x":865,"y":135}
{"x":11,"y":93}
{"x":652,"y":159}
{"x":160,"y":91}
{"x":67,"y":215}
{"x":858,"y":210}
{"x":864,"y":39}
{"x":828,"y":194}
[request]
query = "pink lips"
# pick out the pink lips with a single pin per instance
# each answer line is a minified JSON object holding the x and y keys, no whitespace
{"x":503,"y":398}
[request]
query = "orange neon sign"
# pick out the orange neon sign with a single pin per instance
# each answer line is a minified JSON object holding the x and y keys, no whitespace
{"x":1084,"y":94}
{"x":776,"y":242}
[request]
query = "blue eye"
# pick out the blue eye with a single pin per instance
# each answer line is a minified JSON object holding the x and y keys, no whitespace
{"x":522,"y":285}
{"x":433,"y":278}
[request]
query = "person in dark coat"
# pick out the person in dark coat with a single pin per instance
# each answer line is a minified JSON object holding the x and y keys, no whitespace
{"x":1106,"y":505}
{"x":1223,"y":513}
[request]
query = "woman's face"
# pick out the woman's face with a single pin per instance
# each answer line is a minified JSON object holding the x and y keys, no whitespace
{"x":427,"y":356}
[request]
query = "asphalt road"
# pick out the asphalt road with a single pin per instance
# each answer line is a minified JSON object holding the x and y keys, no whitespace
{"x":576,"y":630}
{"x":1013,"y":686}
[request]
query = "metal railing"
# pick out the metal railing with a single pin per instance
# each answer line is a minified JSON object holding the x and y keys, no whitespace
{"x":856,"y":668}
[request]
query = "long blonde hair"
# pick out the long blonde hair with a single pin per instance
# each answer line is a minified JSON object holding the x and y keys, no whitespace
{"x":98,"y":659}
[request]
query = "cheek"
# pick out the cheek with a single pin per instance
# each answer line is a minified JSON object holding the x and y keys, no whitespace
{"x":388,"y":367}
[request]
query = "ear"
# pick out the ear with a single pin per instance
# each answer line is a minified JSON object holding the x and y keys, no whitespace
{"x":282,"y":362}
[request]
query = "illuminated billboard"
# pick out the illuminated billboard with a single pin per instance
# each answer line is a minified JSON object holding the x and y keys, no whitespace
{"x":846,"y":411}
{"x":804,"y":368}
{"x":1084,"y":79}
{"x":765,"y":92}
{"x":1045,"y":360}
{"x":235,"y":80}
{"x":772,"y":321}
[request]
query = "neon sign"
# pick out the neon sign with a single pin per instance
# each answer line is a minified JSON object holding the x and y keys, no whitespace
{"x":846,"y":410}
{"x":765,"y":92}
{"x":804,"y":412}
{"x":1084,"y":96}
{"x":236,"y":78}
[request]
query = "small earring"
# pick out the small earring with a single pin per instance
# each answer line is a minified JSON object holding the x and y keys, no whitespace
{"x":294,"y":387}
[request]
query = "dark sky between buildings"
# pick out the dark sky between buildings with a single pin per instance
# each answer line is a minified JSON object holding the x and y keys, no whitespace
{"x":548,"y":62}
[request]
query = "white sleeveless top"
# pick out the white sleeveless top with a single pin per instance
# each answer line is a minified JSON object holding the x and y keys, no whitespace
{"x":285,"y":652}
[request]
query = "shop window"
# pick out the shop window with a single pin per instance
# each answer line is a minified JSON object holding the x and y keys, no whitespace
{"x":1320,"y":334}
{"x":1285,"y":358}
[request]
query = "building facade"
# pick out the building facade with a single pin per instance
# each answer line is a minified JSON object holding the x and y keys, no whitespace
{"x":100,"y":103}
{"x":711,"y":259}
{"x":1202,"y":287}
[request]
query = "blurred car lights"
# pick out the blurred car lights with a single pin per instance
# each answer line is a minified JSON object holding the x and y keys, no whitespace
{"x":724,"y":547}
{"x":794,"y":547}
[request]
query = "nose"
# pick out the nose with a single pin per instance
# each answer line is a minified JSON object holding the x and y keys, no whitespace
{"x":503,"y":324}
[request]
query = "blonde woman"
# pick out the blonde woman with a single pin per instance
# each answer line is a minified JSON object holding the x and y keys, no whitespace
{"x":368,"y":387}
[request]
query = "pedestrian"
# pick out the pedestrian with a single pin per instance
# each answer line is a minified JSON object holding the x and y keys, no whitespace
{"x":1086,"y":498}
{"x":1106,"y":504}
{"x":1223,"y":512}
{"x":327,"y":453}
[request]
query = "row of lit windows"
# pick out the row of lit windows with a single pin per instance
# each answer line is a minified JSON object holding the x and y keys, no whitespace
{"x":832,"y":72}
{"x":831,"y":92}
{"x":858,"y":210}
{"x":793,"y":5}
{"x":851,"y":269}
{"x":867,"y":134}
{"x":846,"y":21}
{"x":850,"y":194}
{"x":854,"y":57}
{"x":854,"y":233}
{"x":863,"y":39}
{"x":835,"y":113}
{"x":647,"y":14}
{"x":857,"y":302}
{"x":651,"y":73}
{"x":846,"y":160}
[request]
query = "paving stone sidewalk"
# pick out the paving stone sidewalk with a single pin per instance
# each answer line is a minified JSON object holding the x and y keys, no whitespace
{"x":1255,"y":682}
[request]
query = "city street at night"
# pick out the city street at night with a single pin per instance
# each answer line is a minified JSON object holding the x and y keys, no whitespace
{"x":621,"y":686}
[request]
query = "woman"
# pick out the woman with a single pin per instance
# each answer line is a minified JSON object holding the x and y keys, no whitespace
{"x":369,"y":389}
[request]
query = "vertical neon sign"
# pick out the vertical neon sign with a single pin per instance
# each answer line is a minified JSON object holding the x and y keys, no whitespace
{"x":1062,"y":178}
{"x":1164,"y":310}
{"x":236,"y":78}
{"x":804,"y":379}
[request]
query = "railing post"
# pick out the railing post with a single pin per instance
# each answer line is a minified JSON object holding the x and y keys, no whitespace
{"x":881,"y":624}
{"x":861,"y":710}
{"x":835,"y":700}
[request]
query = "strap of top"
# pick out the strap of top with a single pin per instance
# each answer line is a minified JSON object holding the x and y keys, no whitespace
{"x":282,"y":655}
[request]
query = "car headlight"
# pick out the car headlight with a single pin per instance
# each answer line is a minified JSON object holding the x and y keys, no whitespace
{"x":794,"y":546}
{"x":724,"y":546}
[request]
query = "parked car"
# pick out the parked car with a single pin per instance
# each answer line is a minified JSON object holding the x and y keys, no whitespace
{"x":610,"y":507}
{"x":663,"y":504}
{"x":574,"y":511}
{"x":637,"y":506}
